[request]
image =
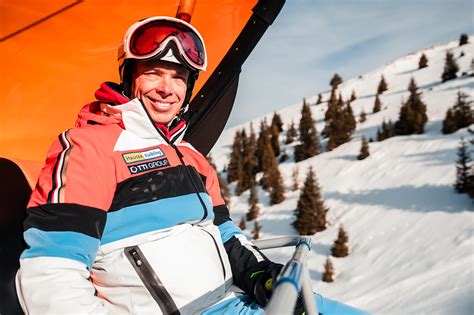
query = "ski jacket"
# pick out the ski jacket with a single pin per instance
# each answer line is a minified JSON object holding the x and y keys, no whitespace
{"x":127,"y":217}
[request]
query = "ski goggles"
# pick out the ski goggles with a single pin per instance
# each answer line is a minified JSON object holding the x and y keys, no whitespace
{"x":150,"y":37}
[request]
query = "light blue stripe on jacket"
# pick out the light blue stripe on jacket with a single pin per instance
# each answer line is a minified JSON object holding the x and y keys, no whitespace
{"x":228,"y":229}
{"x":156,"y":215}
{"x":72,"y":245}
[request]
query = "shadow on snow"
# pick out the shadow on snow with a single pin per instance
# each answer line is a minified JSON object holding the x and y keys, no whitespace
{"x":411,"y":198}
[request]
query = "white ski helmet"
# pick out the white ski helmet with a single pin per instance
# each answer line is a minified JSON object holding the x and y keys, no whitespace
{"x":162,"y":38}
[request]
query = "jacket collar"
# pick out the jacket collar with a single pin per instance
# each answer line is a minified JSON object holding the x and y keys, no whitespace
{"x":136,"y":120}
{"x":112,"y":107}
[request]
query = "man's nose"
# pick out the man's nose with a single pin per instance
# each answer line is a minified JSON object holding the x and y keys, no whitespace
{"x":164,"y":87}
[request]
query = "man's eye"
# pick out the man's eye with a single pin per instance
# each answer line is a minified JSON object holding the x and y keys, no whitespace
{"x":150,"y":74}
{"x":180,"y":78}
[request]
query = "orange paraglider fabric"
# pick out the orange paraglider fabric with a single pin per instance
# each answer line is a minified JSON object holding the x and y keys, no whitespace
{"x":55,"y":54}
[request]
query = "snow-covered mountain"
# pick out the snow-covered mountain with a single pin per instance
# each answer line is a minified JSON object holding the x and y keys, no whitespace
{"x":410,"y":233}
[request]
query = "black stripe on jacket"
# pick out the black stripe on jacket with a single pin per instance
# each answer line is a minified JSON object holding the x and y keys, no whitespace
{"x":221,"y":214}
{"x":60,"y":217}
{"x":156,"y":185}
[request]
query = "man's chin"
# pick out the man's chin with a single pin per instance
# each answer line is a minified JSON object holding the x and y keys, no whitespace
{"x":162,"y":119}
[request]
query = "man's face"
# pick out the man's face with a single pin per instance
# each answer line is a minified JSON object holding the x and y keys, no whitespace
{"x":161,"y":86}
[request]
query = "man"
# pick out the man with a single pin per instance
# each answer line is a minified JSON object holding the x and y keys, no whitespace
{"x":128,"y":218}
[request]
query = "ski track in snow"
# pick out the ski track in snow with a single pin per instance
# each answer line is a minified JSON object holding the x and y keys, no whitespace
{"x":410,"y":234}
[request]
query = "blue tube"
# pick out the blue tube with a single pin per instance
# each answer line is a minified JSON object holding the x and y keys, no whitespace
{"x":243,"y":305}
{"x":331,"y":307}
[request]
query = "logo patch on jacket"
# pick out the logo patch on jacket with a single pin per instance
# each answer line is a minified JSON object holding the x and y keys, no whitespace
{"x":143,"y":167}
{"x":134,"y":157}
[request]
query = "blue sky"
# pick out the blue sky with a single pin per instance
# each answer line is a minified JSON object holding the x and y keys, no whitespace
{"x":313,"y":39}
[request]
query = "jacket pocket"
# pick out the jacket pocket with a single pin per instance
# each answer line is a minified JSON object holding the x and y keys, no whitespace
{"x":218,"y":251}
{"x":151,"y":280}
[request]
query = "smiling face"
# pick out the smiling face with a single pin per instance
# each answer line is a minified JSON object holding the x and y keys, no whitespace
{"x":161,"y":86}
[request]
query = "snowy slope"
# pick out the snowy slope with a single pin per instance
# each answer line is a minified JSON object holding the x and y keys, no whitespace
{"x":411,"y":235}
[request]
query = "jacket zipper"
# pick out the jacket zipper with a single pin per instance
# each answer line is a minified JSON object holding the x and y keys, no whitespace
{"x":196,"y":190}
{"x":151,"y":280}
{"x":218,"y":252}
{"x":180,"y":156}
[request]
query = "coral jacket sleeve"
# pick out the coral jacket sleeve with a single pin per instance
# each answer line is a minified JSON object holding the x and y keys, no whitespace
{"x":65,"y":219}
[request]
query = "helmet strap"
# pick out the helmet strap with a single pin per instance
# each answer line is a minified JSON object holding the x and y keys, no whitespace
{"x":126,"y":84}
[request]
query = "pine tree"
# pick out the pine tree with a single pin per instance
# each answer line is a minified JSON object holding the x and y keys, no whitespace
{"x":363,"y":116}
{"x":330,"y":114}
{"x":225,"y":191}
{"x":239,"y":188}
{"x":449,"y":123}
{"x":276,"y":188}
{"x":460,"y":115}
{"x":243,"y":179}
{"x":463,"y":111}
{"x":386,"y":132}
{"x":245,"y":139}
{"x":379,"y":136}
{"x":423,"y":63}
{"x":271,"y":179}
{"x":382,"y":86}
{"x":462,"y":168}
{"x":320,"y":99}
{"x":470,"y":183}
{"x":276,"y":121}
{"x":250,"y":160}
{"x":310,"y":210}
{"x":412,"y":116}
{"x":353,"y":96}
{"x":293,"y":130}
{"x":224,"y":188}
{"x":335,"y":81}
{"x":234,"y":169}
{"x":341,"y":125}
{"x":340,"y":248}
{"x":364,"y":149}
{"x":242,"y":224}
{"x":463,"y":39}
{"x":283,"y":156}
{"x":291,"y":133}
{"x":377,"y":104}
{"x":263,"y":140}
{"x":256,"y":230}
{"x":275,"y":139}
{"x":268,"y":162}
{"x":309,"y":142}
{"x":332,"y":108}
{"x":295,"y":176}
{"x":390,"y":132}
{"x":349,"y":118}
{"x":254,"y":210}
{"x":450,"y":68}
{"x":328,"y":275}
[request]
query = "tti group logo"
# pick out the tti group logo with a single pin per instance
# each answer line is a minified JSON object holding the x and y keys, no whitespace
{"x":143,"y":167}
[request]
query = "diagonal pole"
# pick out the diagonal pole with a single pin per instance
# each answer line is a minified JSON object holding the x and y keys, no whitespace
{"x":293,"y":279}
